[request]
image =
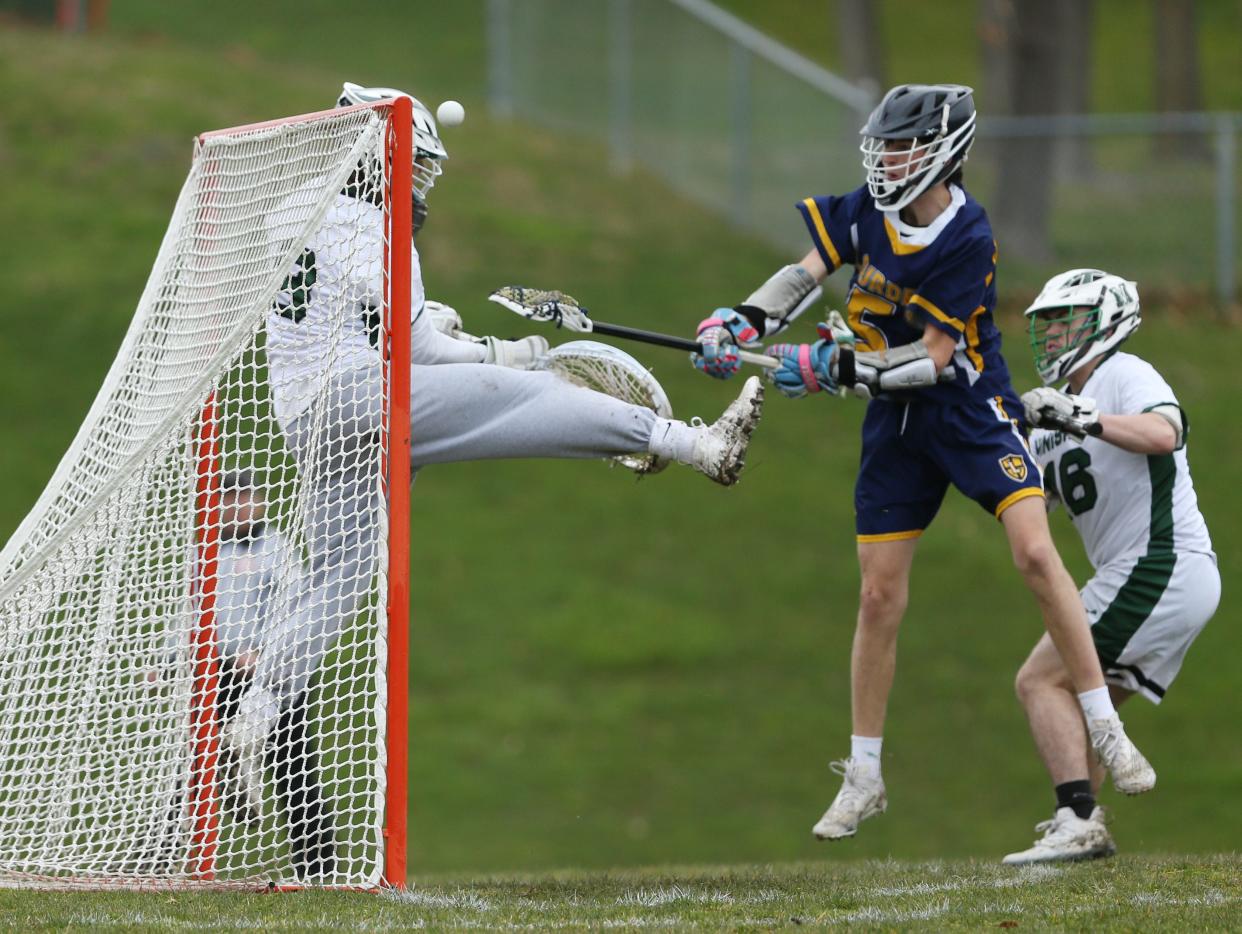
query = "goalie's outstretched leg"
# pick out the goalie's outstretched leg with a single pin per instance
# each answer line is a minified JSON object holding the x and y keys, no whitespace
{"x":469,"y":412}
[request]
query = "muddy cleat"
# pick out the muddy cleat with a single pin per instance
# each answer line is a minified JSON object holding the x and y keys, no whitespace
{"x":861,"y":796}
{"x":720,"y":448}
{"x":1067,"y":837}
{"x":245,"y":737}
{"x":1132,"y":774}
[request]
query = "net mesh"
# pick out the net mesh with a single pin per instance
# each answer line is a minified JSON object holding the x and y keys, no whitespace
{"x":192,"y":618}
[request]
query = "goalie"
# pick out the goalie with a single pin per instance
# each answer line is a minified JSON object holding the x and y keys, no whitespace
{"x":920,"y":298}
{"x":471,"y":399}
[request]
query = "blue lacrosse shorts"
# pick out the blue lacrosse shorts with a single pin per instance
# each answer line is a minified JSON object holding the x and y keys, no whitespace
{"x":913,"y":449}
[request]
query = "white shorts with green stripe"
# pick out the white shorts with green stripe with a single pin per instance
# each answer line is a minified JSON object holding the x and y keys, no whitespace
{"x":1144,"y":614}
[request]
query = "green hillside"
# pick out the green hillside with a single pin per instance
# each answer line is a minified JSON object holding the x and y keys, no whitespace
{"x":606,"y":672}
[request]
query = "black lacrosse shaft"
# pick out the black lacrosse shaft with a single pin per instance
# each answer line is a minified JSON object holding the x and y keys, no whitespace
{"x":646,"y":337}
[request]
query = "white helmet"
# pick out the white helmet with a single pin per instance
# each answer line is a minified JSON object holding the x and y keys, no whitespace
{"x":925,"y":129}
{"x":1100,"y":311}
{"x":429,"y":151}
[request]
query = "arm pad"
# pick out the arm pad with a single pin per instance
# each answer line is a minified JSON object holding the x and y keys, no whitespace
{"x":775,"y":304}
{"x":904,"y":367}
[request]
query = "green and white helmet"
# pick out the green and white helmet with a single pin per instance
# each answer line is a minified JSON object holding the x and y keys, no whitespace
{"x":429,"y":150}
{"x":1099,"y":312}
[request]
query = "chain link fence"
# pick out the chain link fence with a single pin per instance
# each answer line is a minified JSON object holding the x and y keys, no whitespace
{"x":747,"y":127}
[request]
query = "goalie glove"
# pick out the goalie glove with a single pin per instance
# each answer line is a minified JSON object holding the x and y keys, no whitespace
{"x":519,"y":354}
{"x":805,"y":368}
{"x":444,"y":318}
{"x":720,"y":335}
{"x":869,"y":373}
{"x":1050,"y":408}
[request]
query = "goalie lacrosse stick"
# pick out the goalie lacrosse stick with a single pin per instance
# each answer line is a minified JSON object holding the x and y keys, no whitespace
{"x":606,"y":369}
{"x":564,"y":311}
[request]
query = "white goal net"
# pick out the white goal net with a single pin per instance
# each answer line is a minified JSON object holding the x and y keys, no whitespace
{"x":193,"y":632}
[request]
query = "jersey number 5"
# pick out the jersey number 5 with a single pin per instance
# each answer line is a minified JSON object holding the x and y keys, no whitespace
{"x":859,"y":305}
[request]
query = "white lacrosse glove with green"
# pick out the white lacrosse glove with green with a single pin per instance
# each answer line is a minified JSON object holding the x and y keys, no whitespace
{"x":1050,"y":408}
{"x":520,"y":354}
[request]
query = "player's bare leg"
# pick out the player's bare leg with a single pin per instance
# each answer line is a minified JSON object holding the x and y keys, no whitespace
{"x":883,"y":596}
{"x":1078,"y":829}
{"x":1047,"y":696}
{"x":1026,"y":524}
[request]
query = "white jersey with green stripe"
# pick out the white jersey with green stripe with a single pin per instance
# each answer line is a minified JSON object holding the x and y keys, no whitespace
{"x":1124,"y":505}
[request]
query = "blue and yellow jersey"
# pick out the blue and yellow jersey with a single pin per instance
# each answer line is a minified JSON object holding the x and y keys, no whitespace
{"x":906,"y":277}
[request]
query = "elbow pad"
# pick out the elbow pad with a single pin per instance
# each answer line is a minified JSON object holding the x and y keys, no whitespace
{"x":1174,"y":416}
{"x":775,"y":304}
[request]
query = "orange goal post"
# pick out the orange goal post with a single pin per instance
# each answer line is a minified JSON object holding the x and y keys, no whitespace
{"x":204,"y":618}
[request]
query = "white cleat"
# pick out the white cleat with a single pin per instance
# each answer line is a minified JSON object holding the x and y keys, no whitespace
{"x":861,"y":796}
{"x":1067,"y":837}
{"x":1132,"y":774}
{"x":245,"y":737}
{"x":720,"y":448}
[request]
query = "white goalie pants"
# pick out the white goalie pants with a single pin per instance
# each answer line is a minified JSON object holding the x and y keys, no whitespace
{"x":459,"y":412}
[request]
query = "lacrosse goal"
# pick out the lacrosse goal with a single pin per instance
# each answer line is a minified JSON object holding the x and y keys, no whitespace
{"x":125,"y":641}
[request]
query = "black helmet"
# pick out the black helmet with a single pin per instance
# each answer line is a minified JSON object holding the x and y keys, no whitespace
{"x":938,"y":120}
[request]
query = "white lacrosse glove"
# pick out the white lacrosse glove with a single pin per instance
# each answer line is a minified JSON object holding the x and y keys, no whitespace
{"x":1060,"y":411}
{"x":518,"y":354}
{"x":444,"y":318}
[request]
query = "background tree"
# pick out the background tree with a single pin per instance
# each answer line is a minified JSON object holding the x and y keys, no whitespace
{"x":1179,"y":86}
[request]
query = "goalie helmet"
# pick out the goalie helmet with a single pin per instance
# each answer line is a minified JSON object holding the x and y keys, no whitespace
{"x":920,"y":134}
{"x":429,"y":151}
{"x":1099,"y":311}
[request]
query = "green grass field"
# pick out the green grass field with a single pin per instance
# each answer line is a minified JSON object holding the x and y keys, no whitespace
{"x":1125,"y":894}
{"x":610,"y":673}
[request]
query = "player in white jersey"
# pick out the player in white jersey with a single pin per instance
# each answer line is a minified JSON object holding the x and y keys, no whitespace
{"x":1113,"y":451}
{"x":463,"y":407}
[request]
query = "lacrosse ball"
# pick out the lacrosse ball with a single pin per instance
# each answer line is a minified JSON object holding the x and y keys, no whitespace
{"x":451,"y":113}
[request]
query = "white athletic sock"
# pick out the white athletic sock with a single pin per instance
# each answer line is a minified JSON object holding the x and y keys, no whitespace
{"x":673,"y":439}
{"x":865,"y":750}
{"x":1096,"y":704}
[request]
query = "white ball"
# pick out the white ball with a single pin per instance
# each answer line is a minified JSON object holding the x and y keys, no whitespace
{"x":451,"y":113}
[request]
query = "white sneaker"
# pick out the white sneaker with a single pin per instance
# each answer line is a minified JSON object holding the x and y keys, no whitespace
{"x":245,"y":736}
{"x":720,"y":449}
{"x":1067,"y":837}
{"x":861,"y":796}
{"x":1132,"y":774}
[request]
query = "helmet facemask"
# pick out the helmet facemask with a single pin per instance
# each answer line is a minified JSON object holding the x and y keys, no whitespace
{"x":899,"y":170}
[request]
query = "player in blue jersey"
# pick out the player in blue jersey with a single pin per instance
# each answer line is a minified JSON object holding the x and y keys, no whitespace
{"x":921,"y":344}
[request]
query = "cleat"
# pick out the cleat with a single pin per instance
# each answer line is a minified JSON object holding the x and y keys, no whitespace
{"x":720,"y":448}
{"x":1132,"y":774}
{"x":1067,"y":837}
{"x":861,"y":796}
{"x":245,"y":737}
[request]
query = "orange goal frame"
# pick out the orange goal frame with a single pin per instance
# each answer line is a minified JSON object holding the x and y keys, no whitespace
{"x":204,"y":797}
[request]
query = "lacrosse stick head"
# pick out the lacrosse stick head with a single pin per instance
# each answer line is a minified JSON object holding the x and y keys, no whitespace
{"x":606,"y":369}
{"x":544,"y":305}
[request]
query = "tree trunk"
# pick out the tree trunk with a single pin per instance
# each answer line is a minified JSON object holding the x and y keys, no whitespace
{"x":1024,"y":193}
{"x":861,"y":45}
{"x":1179,"y":85}
{"x":1074,"y":85}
